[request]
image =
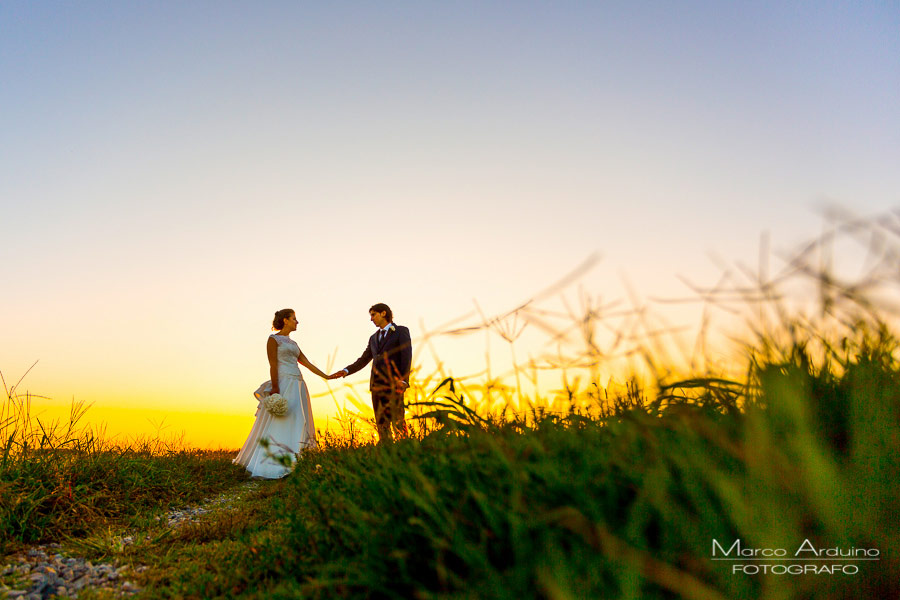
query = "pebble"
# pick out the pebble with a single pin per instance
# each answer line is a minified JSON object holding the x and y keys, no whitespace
{"x":46,"y":573}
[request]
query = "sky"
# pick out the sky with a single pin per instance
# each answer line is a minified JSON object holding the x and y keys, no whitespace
{"x":171,"y":173}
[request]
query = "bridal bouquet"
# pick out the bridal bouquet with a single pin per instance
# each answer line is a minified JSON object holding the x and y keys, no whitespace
{"x":276,"y":405}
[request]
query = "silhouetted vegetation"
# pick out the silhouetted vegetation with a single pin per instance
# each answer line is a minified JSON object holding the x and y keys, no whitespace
{"x":597,"y":493}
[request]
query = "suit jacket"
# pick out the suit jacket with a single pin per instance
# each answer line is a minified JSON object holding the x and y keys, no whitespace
{"x":391,"y":360}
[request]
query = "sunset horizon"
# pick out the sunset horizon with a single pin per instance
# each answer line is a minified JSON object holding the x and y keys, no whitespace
{"x":174,"y":175}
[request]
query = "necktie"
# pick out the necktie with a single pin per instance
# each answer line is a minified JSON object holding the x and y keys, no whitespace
{"x":380,"y":337}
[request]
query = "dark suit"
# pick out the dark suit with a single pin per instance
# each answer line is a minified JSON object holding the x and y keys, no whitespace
{"x":391,"y":360}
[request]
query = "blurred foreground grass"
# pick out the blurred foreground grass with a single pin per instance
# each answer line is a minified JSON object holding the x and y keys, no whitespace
{"x":621,"y":495}
{"x":627,"y":506}
{"x":575,"y":506}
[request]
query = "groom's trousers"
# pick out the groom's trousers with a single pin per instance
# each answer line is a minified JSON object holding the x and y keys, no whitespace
{"x":389,"y":412}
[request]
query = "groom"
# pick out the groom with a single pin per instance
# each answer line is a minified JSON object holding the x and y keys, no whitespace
{"x":390,"y":351}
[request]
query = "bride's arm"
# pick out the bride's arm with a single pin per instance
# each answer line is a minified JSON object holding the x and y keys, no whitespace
{"x":305,"y":362}
{"x":272,"y":353}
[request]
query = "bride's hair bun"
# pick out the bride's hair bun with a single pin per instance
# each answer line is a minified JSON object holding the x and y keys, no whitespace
{"x":280,"y":316}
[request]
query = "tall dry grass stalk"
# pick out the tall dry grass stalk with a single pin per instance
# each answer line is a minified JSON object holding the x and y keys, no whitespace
{"x":620,"y":492}
{"x":825,"y":295}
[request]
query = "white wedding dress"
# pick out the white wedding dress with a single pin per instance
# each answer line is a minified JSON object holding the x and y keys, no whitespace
{"x":287,"y":435}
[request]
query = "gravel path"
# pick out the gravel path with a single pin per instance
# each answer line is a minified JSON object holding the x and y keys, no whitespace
{"x":42,"y":572}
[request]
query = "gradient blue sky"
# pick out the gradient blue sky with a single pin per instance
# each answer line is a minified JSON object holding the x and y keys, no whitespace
{"x":173,"y":172}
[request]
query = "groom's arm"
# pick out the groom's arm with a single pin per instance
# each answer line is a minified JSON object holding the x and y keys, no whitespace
{"x":404,"y":358}
{"x":360,"y":362}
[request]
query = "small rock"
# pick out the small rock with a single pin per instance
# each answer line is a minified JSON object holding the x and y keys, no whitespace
{"x":43,"y":589}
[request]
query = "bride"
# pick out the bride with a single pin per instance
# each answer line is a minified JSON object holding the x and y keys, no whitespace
{"x":273,"y":441}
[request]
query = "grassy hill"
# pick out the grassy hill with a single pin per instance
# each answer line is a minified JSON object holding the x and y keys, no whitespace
{"x":543,"y":506}
{"x":779,"y":484}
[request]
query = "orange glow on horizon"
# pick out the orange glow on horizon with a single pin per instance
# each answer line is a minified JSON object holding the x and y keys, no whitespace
{"x":180,"y":429}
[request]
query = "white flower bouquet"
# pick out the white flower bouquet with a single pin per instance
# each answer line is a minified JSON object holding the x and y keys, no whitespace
{"x":276,"y":405}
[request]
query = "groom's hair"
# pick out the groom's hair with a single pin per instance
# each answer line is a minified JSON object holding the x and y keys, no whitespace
{"x":280,"y":316}
{"x":382,"y":307}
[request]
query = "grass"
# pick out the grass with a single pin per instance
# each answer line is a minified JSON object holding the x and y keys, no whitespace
{"x":574,"y":506}
{"x":612,"y":497}
{"x":58,"y":480}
